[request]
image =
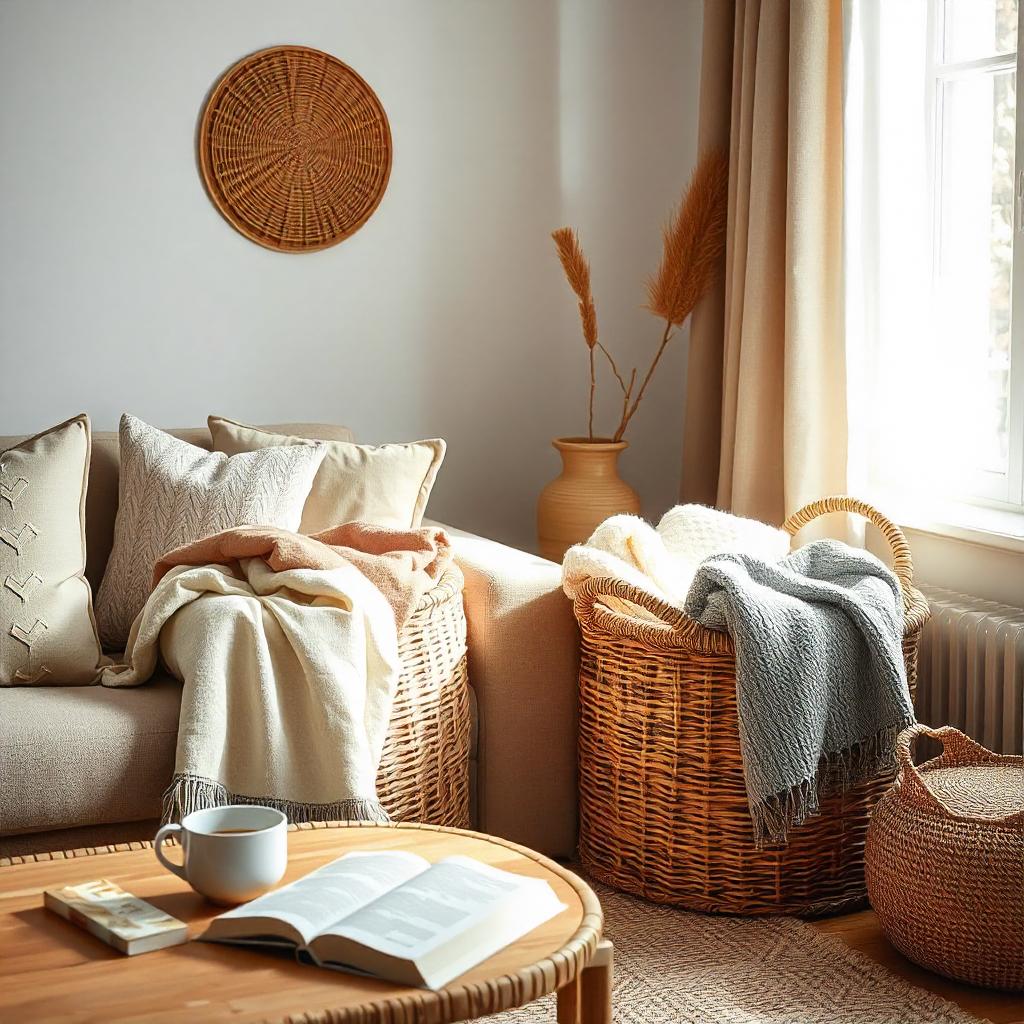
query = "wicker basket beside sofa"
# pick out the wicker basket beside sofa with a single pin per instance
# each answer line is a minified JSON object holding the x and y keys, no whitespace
{"x":424,"y":770}
{"x":663,"y":804}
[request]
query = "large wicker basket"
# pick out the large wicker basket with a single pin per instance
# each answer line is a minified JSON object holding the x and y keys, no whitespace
{"x":945,"y":861}
{"x":424,"y":770}
{"x":663,"y":804}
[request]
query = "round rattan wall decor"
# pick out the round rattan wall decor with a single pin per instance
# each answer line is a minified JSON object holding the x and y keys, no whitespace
{"x":294,"y":149}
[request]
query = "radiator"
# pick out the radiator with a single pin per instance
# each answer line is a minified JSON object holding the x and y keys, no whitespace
{"x":971,"y":671}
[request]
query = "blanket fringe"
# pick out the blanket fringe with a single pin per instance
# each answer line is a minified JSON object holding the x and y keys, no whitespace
{"x":188,"y":793}
{"x":836,"y":773}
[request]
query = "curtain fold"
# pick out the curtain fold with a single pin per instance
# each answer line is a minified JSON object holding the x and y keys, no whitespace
{"x":766,"y":408}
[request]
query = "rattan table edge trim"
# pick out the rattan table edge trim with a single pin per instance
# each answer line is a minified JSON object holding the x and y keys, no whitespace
{"x":494,"y":996}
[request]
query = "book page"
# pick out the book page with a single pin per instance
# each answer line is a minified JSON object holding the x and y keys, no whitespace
{"x":325,"y":896}
{"x":431,"y":908}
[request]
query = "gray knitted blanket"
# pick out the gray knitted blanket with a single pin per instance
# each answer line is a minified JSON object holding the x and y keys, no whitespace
{"x":821,"y":686}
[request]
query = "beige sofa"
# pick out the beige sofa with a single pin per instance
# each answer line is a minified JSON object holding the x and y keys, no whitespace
{"x":84,"y":766}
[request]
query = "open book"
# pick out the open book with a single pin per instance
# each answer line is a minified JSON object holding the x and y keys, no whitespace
{"x":394,"y":915}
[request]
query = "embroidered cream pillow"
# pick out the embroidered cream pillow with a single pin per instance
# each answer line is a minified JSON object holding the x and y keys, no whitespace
{"x":172,"y":493}
{"x":49,"y":634}
{"x":387,"y":485}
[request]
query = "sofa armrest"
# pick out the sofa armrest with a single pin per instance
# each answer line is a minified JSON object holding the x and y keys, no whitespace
{"x":523,"y":666}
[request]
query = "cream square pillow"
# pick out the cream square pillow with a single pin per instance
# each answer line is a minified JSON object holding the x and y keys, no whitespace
{"x":387,"y":485}
{"x":172,"y":493}
{"x":48,"y":631}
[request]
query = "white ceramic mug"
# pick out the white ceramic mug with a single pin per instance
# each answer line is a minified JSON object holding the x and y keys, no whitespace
{"x":231,"y":854}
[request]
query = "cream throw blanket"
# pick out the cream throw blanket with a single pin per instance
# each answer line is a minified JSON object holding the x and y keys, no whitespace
{"x":288,"y":674}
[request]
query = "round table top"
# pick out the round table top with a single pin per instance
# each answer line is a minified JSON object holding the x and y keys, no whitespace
{"x":207,"y":981}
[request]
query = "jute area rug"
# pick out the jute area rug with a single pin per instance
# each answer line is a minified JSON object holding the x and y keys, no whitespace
{"x":673,"y":967}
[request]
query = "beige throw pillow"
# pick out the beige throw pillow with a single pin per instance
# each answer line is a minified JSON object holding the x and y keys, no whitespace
{"x":172,"y":493}
{"x":387,"y":485}
{"x":49,"y":634}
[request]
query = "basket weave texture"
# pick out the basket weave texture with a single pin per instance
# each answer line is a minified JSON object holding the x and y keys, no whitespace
{"x":945,"y":861}
{"x":424,"y":770}
{"x":294,"y":148}
{"x":663,"y":802}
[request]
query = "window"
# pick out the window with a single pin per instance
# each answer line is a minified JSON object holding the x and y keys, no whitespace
{"x":972,"y":89}
{"x":935,"y":203}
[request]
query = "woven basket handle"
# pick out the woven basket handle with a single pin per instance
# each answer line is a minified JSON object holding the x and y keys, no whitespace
{"x":670,"y":628}
{"x":902,"y":563}
{"x":595,"y":587}
{"x":957,"y":749}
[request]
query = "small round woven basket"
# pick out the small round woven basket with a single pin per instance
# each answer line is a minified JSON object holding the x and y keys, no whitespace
{"x":945,"y":861}
{"x":424,"y":770}
{"x":663,"y":801}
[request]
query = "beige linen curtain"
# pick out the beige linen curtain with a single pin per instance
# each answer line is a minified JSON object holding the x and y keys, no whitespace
{"x":765,"y":419}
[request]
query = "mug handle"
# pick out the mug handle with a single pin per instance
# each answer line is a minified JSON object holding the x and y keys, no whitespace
{"x":165,"y":831}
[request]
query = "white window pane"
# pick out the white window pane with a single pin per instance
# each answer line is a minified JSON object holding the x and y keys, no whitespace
{"x":978,"y":28}
{"x":975,"y":261}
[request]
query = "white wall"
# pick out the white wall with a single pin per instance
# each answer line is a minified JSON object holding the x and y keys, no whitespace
{"x":121,"y":287}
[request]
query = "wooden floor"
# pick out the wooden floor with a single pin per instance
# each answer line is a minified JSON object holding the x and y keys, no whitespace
{"x":861,"y":931}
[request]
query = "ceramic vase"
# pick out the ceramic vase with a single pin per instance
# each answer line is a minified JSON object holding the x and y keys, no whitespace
{"x":588,"y":491}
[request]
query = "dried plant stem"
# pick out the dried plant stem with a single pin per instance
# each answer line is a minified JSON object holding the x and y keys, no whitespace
{"x":626,"y":389}
{"x":625,"y":401}
{"x":615,"y":369}
{"x":593,"y":388}
{"x":627,"y":414}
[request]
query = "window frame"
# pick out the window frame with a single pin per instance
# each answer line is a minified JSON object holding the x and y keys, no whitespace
{"x":988,"y":488}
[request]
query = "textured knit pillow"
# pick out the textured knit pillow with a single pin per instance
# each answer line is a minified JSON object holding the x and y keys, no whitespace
{"x":48,"y":632}
{"x":172,"y":493}
{"x":387,"y":485}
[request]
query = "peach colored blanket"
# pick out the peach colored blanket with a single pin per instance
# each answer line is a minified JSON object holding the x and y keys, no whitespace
{"x":402,"y":564}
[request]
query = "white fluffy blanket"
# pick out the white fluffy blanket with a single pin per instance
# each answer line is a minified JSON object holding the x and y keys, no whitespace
{"x":663,"y":560}
{"x":288,"y":685}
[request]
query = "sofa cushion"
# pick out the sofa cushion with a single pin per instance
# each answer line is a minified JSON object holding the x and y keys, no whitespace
{"x":48,"y":634}
{"x":95,"y":755}
{"x":173,"y":493}
{"x":101,"y":501}
{"x":387,"y":484}
{"x":85,"y":755}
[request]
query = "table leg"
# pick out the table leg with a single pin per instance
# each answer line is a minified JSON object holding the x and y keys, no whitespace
{"x":569,"y":1002}
{"x":588,"y":998}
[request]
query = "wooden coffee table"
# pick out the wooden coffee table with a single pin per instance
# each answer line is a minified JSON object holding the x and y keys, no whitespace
{"x":52,"y":970}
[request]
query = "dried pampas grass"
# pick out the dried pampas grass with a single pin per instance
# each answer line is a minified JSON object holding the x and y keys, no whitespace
{"x":692,"y":248}
{"x":693,"y":242}
{"x":577,"y":271}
